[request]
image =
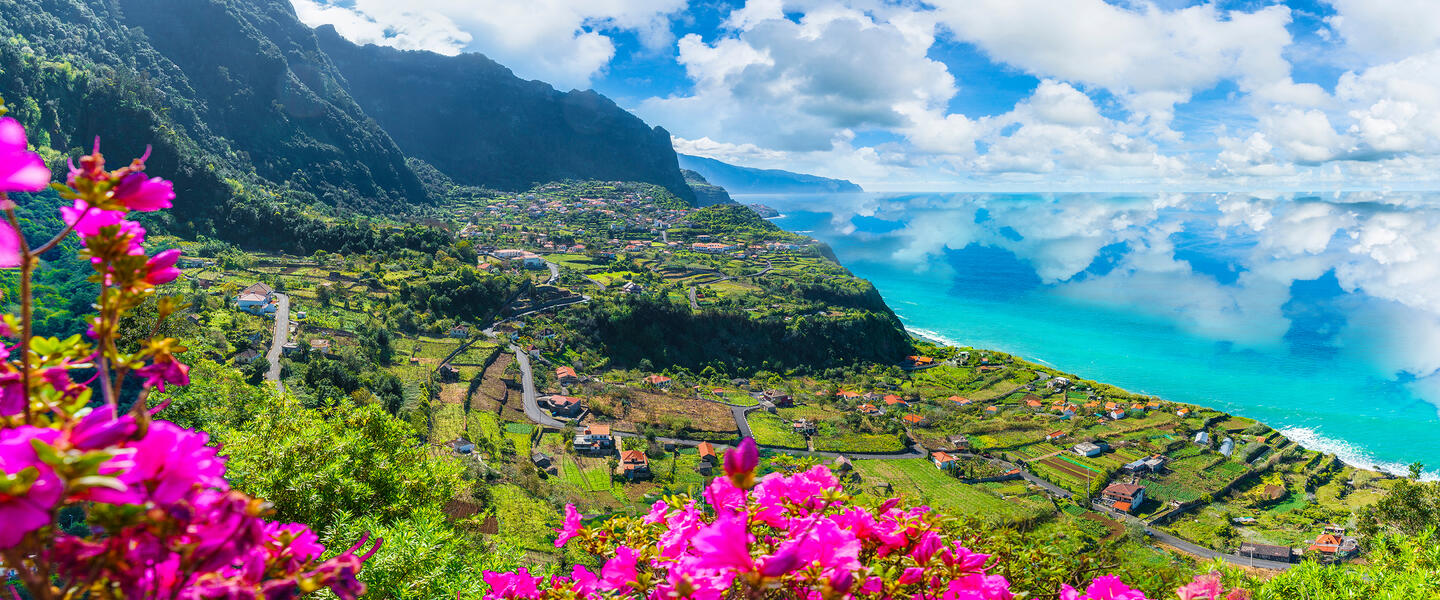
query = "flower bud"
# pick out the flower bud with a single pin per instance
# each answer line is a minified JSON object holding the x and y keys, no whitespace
{"x":740,"y":463}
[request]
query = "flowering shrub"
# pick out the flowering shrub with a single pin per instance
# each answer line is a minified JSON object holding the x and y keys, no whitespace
{"x":161,"y":521}
{"x":790,"y":536}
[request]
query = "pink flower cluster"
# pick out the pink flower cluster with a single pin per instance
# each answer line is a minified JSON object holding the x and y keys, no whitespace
{"x":164,"y":522}
{"x":792,"y":534}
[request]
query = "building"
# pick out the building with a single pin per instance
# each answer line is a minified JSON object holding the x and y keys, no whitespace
{"x":1088,"y":449}
{"x":893,"y":400}
{"x":1149,"y":464}
{"x":633,"y":465}
{"x":959,"y":442}
{"x":594,"y":438}
{"x":1124,"y":497}
{"x":247,"y":357}
{"x":1054,"y":435}
{"x":847,"y":394}
{"x":565,"y":406}
{"x":920,"y":361}
{"x":566,"y":375}
{"x":707,"y":453}
{"x":460,"y":331}
{"x":320,"y":345}
{"x":942,"y":460}
{"x":961,"y":400}
{"x":914,"y":419}
{"x":1202,"y":438}
{"x":779,"y":398}
{"x":868,"y":409}
{"x":803,"y":427}
{"x":1227,"y":446}
{"x":631,"y":287}
{"x":1333,"y":544}
{"x":659,"y":381}
{"x":1182,"y":413}
{"x":1266,"y":552}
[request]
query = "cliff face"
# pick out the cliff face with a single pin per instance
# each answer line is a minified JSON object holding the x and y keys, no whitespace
{"x":479,"y":124}
{"x":267,"y":87}
{"x":745,"y":180}
{"x":706,"y":193}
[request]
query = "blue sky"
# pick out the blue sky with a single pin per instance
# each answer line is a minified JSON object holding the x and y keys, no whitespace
{"x":984,"y":94}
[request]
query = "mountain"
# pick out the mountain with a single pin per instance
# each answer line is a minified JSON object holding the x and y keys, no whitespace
{"x":706,"y":193}
{"x":272,"y":142}
{"x":481,"y":125}
{"x":745,"y":180}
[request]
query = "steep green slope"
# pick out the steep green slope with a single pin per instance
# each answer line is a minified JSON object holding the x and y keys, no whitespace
{"x":481,"y":125}
{"x":706,"y":193}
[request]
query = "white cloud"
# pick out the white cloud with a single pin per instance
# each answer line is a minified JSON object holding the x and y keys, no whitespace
{"x":563,"y":42}
{"x":1384,"y":30}
{"x":1151,"y":58}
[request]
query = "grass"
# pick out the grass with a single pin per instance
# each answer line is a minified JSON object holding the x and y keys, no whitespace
{"x":526,"y":521}
{"x":447,"y":424}
{"x":859,"y":442}
{"x":769,"y":430}
{"x":919,"y":479}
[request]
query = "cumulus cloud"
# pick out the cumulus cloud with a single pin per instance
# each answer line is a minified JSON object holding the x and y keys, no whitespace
{"x":563,"y":42}
{"x":1151,"y":58}
{"x":1386,"y":30}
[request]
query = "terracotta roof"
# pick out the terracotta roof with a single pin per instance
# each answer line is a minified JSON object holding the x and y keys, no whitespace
{"x":847,"y":394}
{"x":1124,"y":490}
{"x":657,"y":379}
{"x":705,"y":449}
{"x":565,"y":372}
{"x":893,"y":399}
{"x":1122,"y":506}
{"x":597,"y":429}
{"x":941,"y":456}
{"x":633,"y":456}
{"x":913,"y":418}
{"x":960,"y":399}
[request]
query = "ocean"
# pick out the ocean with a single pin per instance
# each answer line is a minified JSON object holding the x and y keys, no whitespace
{"x":1316,"y":314}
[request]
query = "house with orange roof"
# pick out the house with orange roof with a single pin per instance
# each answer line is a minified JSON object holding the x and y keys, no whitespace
{"x":594,"y":438}
{"x":847,"y":394}
{"x":633,"y":465}
{"x":1092,"y":405}
{"x":992,"y":410}
{"x":942,"y":460}
{"x":1333,"y":544}
{"x":961,"y":400}
{"x":914,"y":419}
{"x":1034,"y":404}
{"x":868,"y":409}
{"x":566,"y":375}
{"x":920,"y":361}
{"x":707,"y":453}
{"x":659,"y":381}
{"x":1182,"y":412}
{"x":1054,"y":435}
{"x":1124,"y":497}
{"x":892,"y":400}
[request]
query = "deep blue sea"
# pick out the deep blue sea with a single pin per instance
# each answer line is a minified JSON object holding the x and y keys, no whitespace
{"x":1319,"y":315}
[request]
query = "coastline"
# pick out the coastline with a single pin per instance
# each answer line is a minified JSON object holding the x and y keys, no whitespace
{"x":1305,"y":437}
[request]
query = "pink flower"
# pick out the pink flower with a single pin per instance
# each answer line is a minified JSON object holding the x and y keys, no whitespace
{"x":141,"y":193}
{"x":1109,"y":587}
{"x":166,"y":371}
{"x":620,"y":571}
{"x":170,"y":461}
{"x":160,"y":269}
{"x":979,"y":587}
{"x":89,"y":221}
{"x":743,"y":459}
{"x":20,"y":169}
{"x":963,"y":559}
{"x":520,"y":584}
{"x":1204,"y":587}
{"x":12,"y":394}
{"x":925,"y":547}
{"x":28,"y":487}
{"x":101,"y":429}
{"x":295,"y":541}
{"x":583,"y":581}
{"x":657,"y":512}
{"x":9,"y":246}
{"x":572,"y":526}
{"x":724,"y":544}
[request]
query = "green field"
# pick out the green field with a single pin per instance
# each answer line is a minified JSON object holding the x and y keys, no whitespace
{"x":920,"y":480}
{"x":769,"y":430}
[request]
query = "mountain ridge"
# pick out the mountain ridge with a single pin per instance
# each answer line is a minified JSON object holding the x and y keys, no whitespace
{"x":747,"y":180}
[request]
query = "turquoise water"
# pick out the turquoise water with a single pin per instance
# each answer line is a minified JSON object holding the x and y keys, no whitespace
{"x":1318,"y":316}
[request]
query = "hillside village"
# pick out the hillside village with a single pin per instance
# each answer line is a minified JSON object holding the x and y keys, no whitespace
{"x":527,"y":399}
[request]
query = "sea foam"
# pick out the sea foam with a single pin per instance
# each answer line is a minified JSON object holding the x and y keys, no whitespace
{"x":1348,"y":453}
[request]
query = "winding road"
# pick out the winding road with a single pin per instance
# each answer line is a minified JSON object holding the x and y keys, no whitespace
{"x":1195,"y":549}
{"x":277,"y":343}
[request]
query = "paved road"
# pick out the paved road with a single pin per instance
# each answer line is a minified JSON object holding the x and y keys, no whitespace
{"x":741,"y":423}
{"x":554,"y":273}
{"x":1196,"y":550}
{"x":531,"y":399}
{"x":282,"y":333}
{"x":694,"y":305}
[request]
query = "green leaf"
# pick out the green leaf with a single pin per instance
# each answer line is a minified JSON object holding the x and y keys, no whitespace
{"x":47,"y":453}
{"x":100,"y":481}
